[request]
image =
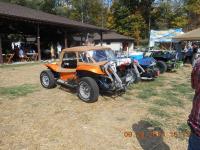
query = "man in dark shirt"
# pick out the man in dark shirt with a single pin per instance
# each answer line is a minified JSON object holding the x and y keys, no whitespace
{"x":194,"y":117}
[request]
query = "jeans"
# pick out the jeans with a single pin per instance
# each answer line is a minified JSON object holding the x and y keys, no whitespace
{"x":194,"y":142}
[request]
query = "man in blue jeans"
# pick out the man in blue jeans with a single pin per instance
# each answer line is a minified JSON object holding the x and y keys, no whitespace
{"x":194,"y":117}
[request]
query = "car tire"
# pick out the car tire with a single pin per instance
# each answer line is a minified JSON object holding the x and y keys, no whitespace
{"x":47,"y":79}
{"x":88,"y":90}
{"x":162,"y":66}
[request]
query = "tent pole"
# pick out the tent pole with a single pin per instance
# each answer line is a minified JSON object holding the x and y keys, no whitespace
{"x":1,"y":56}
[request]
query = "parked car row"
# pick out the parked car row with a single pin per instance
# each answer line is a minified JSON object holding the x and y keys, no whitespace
{"x":93,"y":69}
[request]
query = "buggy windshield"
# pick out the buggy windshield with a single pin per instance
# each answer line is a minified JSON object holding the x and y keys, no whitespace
{"x":102,"y":55}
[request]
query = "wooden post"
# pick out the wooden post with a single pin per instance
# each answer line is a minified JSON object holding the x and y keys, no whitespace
{"x":65,"y":39}
{"x":1,"y":56}
{"x":38,"y":42}
{"x":101,"y":38}
{"x":81,"y":39}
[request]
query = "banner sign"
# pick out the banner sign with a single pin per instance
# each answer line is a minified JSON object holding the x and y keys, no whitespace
{"x":163,"y":36}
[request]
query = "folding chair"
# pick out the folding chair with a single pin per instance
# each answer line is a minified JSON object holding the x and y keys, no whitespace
{"x":9,"y":58}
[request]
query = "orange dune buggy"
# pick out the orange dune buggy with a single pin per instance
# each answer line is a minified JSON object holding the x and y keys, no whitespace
{"x":89,"y":69}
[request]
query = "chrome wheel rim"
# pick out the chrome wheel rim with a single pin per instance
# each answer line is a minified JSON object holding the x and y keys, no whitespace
{"x":45,"y":80}
{"x":84,"y":90}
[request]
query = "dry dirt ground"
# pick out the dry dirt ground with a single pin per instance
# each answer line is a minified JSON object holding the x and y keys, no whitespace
{"x":57,"y":119}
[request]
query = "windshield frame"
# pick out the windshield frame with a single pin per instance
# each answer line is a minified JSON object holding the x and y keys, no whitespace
{"x":110,"y":55}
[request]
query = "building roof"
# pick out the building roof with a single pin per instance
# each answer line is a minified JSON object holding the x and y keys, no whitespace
{"x":192,"y":35}
{"x":20,"y":12}
{"x":112,"y":36}
{"x":85,"y":48}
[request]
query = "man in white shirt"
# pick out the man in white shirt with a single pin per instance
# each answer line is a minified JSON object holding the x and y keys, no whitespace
{"x":59,"y":49}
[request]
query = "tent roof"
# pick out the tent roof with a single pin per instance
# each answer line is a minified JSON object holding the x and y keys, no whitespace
{"x":191,"y":35}
{"x":13,"y":11}
{"x":85,"y":48}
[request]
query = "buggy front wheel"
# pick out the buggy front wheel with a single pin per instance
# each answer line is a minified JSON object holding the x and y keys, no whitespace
{"x":47,"y":79}
{"x":88,"y":90}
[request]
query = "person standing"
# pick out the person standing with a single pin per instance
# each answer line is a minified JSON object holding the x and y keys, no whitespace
{"x":188,"y":54}
{"x":59,"y":49}
{"x":178,"y":49}
{"x":52,"y":52}
{"x":194,"y":53}
{"x":194,"y":117}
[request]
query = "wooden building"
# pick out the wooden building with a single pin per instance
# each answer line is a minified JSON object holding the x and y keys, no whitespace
{"x":16,"y":19}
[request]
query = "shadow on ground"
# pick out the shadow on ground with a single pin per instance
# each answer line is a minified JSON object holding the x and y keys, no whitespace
{"x":149,"y":137}
{"x":105,"y":95}
{"x":66,"y":89}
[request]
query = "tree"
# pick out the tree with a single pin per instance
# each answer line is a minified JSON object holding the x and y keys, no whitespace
{"x":87,"y":11}
{"x":48,"y":6}
{"x":193,"y":6}
{"x":92,"y":12}
{"x":169,"y":14}
{"x":193,"y":11}
{"x":124,"y":20}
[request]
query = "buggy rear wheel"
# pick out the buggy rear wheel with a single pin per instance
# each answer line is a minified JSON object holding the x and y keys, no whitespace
{"x":88,"y":90}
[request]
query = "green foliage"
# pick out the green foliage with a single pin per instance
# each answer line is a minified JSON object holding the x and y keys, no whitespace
{"x":193,"y":6}
{"x":92,"y":12}
{"x":129,"y":17}
{"x":89,"y":12}
{"x":125,"y":21}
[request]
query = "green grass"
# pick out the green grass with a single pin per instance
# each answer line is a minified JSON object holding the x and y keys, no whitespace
{"x":147,"y":93}
{"x":157,"y":112}
{"x":182,"y":88}
{"x":154,"y":123}
{"x":170,"y":98}
{"x":175,"y":101}
{"x":184,"y":131}
{"x":147,"y":89}
{"x":162,"y":102}
{"x":16,"y":91}
{"x":183,"y":127}
{"x":190,"y":96}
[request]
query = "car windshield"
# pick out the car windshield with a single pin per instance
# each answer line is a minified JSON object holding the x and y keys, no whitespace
{"x":102,"y":55}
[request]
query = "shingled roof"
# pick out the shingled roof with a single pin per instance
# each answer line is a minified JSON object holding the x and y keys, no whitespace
{"x":112,"y":36}
{"x":20,"y":12}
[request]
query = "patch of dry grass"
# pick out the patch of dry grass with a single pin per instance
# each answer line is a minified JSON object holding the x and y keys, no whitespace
{"x":57,"y":119}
